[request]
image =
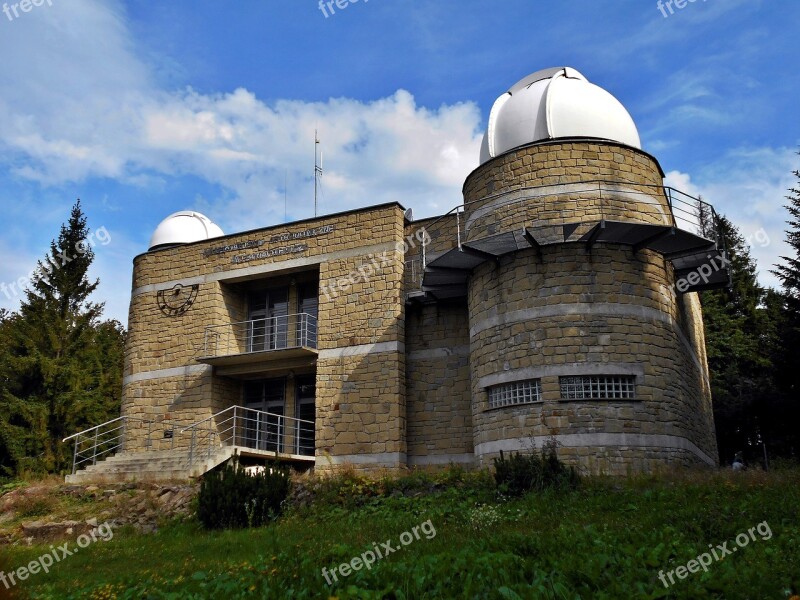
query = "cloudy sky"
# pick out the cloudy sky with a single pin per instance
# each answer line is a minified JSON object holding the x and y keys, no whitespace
{"x":141,"y":108}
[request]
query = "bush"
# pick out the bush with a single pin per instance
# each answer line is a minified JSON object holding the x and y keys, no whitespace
{"x":230,"y":498}
{"x":520,"y":474}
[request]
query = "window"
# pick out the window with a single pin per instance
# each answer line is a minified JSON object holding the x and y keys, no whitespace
{"x":598,"y":387}
{"x":305,"y":386}
{"x":518,"y":392}
{"x":268,"y":319}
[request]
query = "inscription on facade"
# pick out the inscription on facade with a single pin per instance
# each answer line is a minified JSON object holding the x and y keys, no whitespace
{"x":294,"y":249}
{"x":299,"y":235}
{"x":233,"y":247}
{"x":278,"y":238}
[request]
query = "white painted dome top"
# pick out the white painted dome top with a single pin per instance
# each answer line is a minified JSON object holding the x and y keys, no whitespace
{"x":555,"y":103}
{"x":184,"y":227}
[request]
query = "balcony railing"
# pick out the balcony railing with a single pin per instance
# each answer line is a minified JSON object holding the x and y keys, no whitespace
{"x":570,"y":203}
{"x":250,"y":428}
{"x":261,"y":335}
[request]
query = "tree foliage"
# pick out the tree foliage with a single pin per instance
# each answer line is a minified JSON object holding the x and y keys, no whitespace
{"x":788,"y":272}
{"x":60,"y":365}
{"x":748,"y":330}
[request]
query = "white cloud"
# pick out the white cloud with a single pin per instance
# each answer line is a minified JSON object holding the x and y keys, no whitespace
{"x":86,"y":107}
{"x":749,"y":186}
{"x":83,"y":107}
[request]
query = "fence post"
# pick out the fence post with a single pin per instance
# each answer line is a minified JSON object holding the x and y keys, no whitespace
{"x":94,"y":452}
{"x":235,"y":408}
{"x":191,"y":447}
{"x":75,"y":456}
{"x":150,"y":435}
{"x":458,"y":228}
{"x":671,"y":209}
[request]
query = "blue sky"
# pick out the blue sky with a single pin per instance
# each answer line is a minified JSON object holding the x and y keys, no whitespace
{"x":142,"y":109}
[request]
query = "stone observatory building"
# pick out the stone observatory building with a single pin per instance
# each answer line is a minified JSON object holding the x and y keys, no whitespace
{"x":558,"y":301}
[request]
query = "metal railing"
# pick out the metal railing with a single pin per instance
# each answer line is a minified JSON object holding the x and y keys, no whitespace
{"x":572,"y":202}
{"x":250,"y":428}
{"x":260,"y":335}
{"x":104,"y":440}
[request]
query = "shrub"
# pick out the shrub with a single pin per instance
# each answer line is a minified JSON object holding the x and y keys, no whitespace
{"x":520,"y":474}
{"x":231,"y":498}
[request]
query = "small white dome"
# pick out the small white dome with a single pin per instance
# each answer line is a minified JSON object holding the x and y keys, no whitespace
{"x":184,"y":227}
{"x":555,"y":103}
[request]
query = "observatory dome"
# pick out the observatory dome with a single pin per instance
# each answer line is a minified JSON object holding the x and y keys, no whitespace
{"x":184,"y":227}
{"x":555,"y":103}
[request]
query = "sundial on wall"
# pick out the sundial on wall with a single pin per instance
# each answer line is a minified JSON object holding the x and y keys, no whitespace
{"x":177,"y":300}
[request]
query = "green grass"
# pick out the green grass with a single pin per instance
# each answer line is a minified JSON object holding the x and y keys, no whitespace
{"x":607,"y":540}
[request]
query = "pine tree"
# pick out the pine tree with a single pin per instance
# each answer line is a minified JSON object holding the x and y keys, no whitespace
{"x":742,"y":326}
{"x":63,"y":367}
{"x":789,"y":275}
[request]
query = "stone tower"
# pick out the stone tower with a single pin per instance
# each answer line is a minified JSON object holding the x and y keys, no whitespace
{"x":579,"y":270}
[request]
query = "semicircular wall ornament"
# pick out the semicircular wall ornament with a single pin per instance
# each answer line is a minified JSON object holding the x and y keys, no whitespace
{"x":176,"y":300}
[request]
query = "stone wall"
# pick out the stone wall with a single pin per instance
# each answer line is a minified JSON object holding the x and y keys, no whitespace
{"x":358,"y":259}
{"x":570,"y":311}
{"x":438,"y":385}
{"x":557,"y":183}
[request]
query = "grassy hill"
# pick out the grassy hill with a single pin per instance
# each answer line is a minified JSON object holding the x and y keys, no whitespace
{"x":609,"y":539}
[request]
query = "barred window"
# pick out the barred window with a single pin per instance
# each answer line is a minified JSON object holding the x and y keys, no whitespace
{"x":598,"y":387}
{"x":518,"y":392}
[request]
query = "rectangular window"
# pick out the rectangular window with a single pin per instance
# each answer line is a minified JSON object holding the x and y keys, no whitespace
{"x":268,"y":319}
{"x":305,"y":386}
{"x":518,"y":392}
{"x":598,"y":387}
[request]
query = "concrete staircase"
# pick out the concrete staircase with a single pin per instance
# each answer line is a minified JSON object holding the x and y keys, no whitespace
{"x":160,"y":465}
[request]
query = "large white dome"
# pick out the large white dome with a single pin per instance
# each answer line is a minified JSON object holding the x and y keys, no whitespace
{"x":555,"y":103}
{"x":184,"y":227}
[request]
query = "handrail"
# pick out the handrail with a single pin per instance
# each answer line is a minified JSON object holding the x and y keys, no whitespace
{"x":242,"y":426}
{"x":106,"y":423}
{"x":245,"y":408}
{"x":278,"y":332}
{"x":676,"y":201}
{"x":302,"y":314}
{"x":104,"y":439}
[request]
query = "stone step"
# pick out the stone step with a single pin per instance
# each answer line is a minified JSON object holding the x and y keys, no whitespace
{"x":156,"y":465}
{"x":148,"y":455}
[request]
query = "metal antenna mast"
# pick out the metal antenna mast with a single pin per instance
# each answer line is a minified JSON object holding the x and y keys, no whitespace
{"x":317,"y":169}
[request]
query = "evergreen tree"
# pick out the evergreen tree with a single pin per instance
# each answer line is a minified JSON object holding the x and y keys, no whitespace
{"x":743,"y":327}
{"x":789,"y":275}
{"x":63,"y":368}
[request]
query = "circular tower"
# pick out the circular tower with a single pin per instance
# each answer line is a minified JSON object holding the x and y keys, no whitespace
{"x":573,"y":249}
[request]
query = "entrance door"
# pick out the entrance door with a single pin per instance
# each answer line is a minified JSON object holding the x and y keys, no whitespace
{"x":306,"y":392}
{"x":268,"y":317}
{"x":264,"y":425}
